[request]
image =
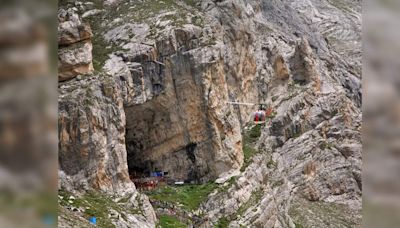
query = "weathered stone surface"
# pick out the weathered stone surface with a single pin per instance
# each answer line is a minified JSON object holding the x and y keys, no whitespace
{"x":75,"y":60}
{"x":71,"y":29}
{"x":165,"y":104}
{"x":281,"y":69}
{"x":75,"y":47}
{"x":92,"y":152}
{"x":304,"y":63}
{"x":310,"y":153}
{"x":91,"y":135}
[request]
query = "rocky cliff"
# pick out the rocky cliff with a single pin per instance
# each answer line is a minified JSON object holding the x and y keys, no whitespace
{"x":157,"y":100}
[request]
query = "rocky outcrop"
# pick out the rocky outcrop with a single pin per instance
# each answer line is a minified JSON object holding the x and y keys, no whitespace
{"x":310,"y":153}
{"x":304,"y":64}
{"x":75,"y":47}
{"x":324,"y":173}
{"x":176,"y":90}
{"x":92,"y":154}
{"x":173,"y":121}
{"x":91,"y":136}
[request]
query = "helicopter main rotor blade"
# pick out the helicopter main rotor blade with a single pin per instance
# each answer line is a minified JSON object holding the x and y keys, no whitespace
{"x":243,"y":103}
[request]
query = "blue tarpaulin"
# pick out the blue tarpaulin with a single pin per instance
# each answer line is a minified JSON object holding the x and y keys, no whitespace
{"x":156,"y":174}
{"x":92,"y":220}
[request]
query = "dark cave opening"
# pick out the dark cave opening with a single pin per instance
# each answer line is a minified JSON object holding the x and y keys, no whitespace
{"x":190,"y":148}
{"x":138,"y":167}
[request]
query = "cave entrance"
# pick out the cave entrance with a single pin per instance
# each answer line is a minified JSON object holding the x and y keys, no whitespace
{"x":139,"y":170}
{"x":147,"y":157}
{"x":167,"y":129}
{"x":144,"y":173}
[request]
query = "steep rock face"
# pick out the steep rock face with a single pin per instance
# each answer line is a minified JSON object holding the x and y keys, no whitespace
{"x":92,"y":154}
{"x":75,"y":47}
{"x":91,"y":133}
{"x":176,"y":88}
{"x":173,"y":122}
{"x":310,"y":153}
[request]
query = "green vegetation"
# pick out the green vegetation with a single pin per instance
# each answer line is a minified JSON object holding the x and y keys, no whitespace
{"x":271,"y":164}
{"x":309,"y":214}
{"x":135,"y":12}
{"x":198,"y":21}
{"x":189,"y":196}
{"x":142,"y":11}
{"x":253,"y":200}
{"x":255,"y":132}
{"x":211,"y":42}
{"x":166,"y":221}
{"x":101,"y":48}
{"x":344,"y":6}
{"x":192,"y":3}
{"x":98,"y":205}
{"x":222,"y":223}
{"x":249,"y":139}
{"x":228,"y":185}
{"x":298,"y":225}
{"x":296,"y":134}
{"x":326,"y":145}
{"x":248,"y":153}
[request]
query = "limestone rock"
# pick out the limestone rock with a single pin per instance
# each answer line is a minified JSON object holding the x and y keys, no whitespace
{"x":75,"y":60}
{"x":75,"y":47}
{"x":281,"y":69}
{"x":71,"y":29}
{"x":303,"y":63}
{"x":91,"y":127}
{"x":92,"y":152}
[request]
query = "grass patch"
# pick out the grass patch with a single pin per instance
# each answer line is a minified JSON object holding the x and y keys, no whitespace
{"x":101,"y":48}
{"x":248,"y":153}
{"x":298,"y":225}
{"x":167,"y":221}
{"x":310,"y":214}
{"x":231,"y":182}
{"x":189,"y":196}
{"x":296,"y":135}
{"x":249,"y":139}
{"x":192,"y":3}
{"x":255,"y":132}
{"x":98,"y":205}
{"x":253,"y":200}
{"x":326,"y":145}
{"x":135,"y":12}
{"x":222,"y":223}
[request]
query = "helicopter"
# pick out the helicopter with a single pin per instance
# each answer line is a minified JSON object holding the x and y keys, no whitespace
{"x":260,"y":115}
